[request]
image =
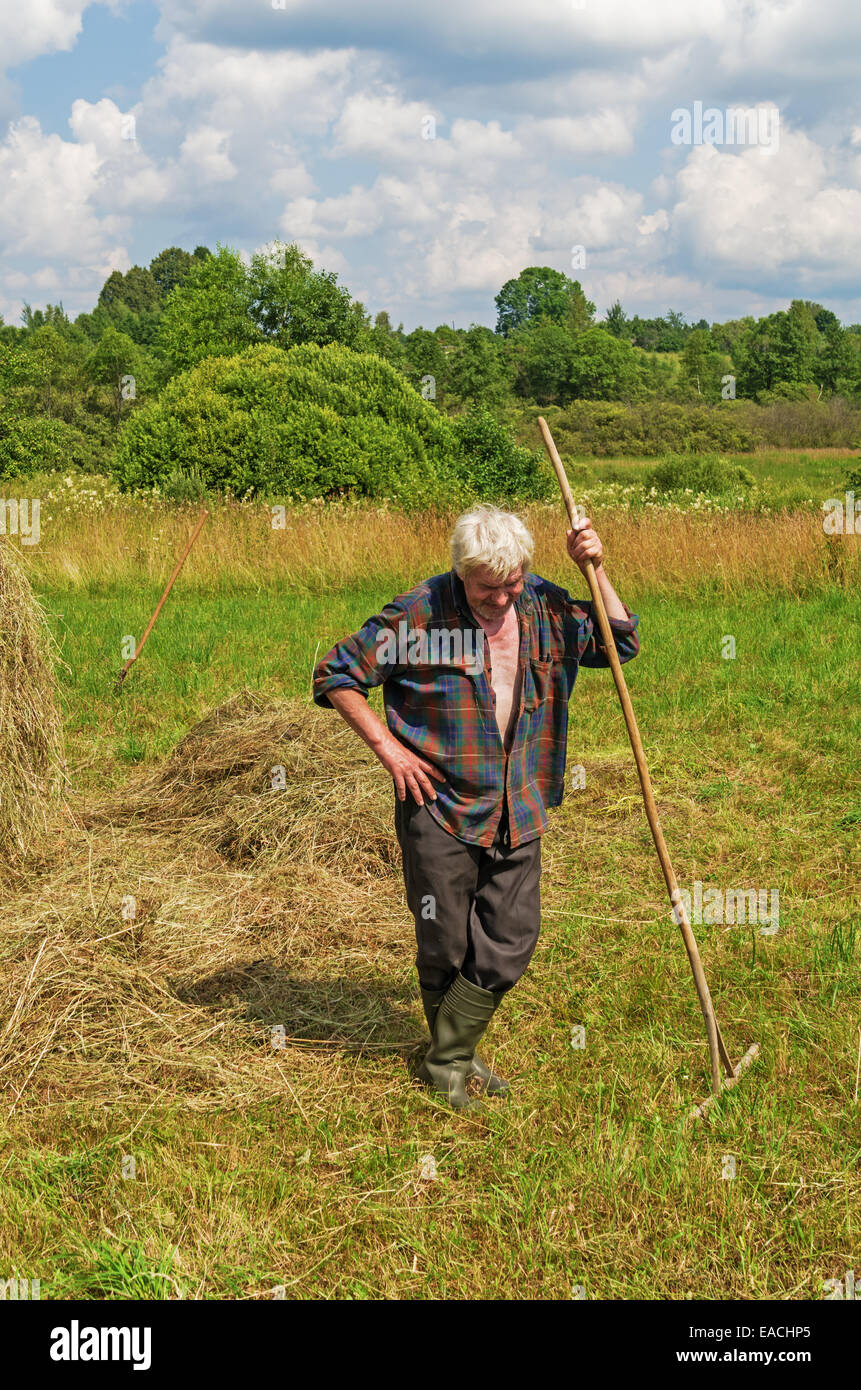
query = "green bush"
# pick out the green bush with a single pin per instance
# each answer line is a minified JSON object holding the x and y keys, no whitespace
{"x":315,"y":421}
{"x":185,"y":487}
{"x":490,"y":463}
{"x":702,"y":473}
{"x":649,"y":429}
{"x":789,"y":391}
{"x":833,"y":423}
{"x":39,"y":444}
{"x":652,"y":428}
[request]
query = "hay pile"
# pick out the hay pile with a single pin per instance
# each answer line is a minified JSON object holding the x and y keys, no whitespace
{"x":32,"y":767}
{"x":221,"y":788}
{"x":254,"y":908}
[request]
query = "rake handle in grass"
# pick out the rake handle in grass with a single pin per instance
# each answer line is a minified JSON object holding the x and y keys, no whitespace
{"x":170,"y":583}
{"x":717,"y":1050}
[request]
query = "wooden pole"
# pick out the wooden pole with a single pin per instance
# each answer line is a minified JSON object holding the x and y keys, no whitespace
{"x":717,"y":1050}
{"x":170,"y":583}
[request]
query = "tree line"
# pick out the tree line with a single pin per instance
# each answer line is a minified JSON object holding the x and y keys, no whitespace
{"x":68,"y":386}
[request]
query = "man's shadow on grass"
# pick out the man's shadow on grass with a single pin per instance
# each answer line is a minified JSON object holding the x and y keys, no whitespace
{"x":372,"y":1017}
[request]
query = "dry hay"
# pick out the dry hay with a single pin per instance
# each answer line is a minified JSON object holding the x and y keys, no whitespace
{"x":220,"y":787}
{"x":31,"y":737}
{"x":254,"y":909}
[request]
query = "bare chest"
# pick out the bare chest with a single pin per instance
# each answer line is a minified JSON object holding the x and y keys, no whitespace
{"x":504,"y":655}
{"x":504,"y":663}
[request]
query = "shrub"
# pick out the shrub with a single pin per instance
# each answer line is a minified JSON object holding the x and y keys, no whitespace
{"x":833,"y":423}
{"x":311,"y":422}
{"x":315,"y":421}
{"x":39,"y":444}
{"x":702,"y":473}
{"x":492,"y":465}
{"x":651,"y":429}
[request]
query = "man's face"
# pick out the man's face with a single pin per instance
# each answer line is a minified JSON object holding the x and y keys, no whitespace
{"x":490,"y":597}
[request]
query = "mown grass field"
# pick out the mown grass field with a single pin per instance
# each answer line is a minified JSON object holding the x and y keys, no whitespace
{"x":263,"y":1171}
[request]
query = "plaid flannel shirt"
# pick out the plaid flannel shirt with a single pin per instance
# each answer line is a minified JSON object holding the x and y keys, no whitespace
{"x":439,"y":701}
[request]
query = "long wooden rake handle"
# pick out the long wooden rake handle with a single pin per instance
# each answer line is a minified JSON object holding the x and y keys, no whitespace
{"x":170,"y":583}
{"x":717,"y":1050}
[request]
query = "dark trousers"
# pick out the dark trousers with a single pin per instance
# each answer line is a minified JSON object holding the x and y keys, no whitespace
{"x":476,"y":910}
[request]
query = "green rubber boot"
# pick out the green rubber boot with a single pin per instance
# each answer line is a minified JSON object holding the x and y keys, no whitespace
{"x":461,"y":1019}
{"x":491,"y":1084}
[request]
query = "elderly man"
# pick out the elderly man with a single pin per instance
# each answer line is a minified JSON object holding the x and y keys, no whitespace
{"x":477,"y":666}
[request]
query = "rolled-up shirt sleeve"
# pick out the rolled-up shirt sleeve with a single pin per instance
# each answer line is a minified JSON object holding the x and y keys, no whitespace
{"x":361,"y":661}
{"x":624,"y":632}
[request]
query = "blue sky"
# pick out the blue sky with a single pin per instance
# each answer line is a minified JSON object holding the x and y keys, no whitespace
{"x":131,"y":126}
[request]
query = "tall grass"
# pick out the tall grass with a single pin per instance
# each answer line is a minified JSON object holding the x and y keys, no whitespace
{"x":91,"y":540}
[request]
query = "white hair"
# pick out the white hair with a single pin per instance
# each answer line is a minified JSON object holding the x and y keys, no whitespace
{"x":488,"y":536}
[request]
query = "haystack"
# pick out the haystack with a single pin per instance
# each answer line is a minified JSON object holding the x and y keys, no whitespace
{"x":249,"y":882}
{"x":264,"y":780}
{"x":32,"y":767}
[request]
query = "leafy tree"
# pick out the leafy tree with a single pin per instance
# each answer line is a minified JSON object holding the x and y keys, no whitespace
{"x":849,"y":383}
{"x":119,"y":364}
{"x":50,"y":372}
{"x":427,"y":361}
{"x":209,"y":315}
{"x":112,"y":290}
{"x":137,"y":290}
{"x":140,"y":327}
{"x":171,"y":268}
{"x":803,"y":312}
{"x":616,"y":321}
{"x":39,"y":388}
{"x":780,"y":348}
{"x":292,"y":303}
{"x":18,"y":370}
{"x":544,"y":357}
{"x":659,"y":375}
{"x":824,"y":318}
{"x":666,"y":334}
{"x":389,"y":342}
{"x":448,"y":335}
{"x":541,"y":292}
{"x":727,"y":336}
{"x":581,"y":311}
{"x":53,"y":315}
{"x":835,"y":358}
{"x":477,"y":368}
{"x":702,"y":365}
{"x":604,"y":368}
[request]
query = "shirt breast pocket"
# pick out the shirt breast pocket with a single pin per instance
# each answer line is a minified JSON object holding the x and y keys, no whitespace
{"x":538,"y":677}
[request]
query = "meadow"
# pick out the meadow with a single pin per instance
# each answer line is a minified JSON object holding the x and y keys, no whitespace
{"x":212,"y":1098}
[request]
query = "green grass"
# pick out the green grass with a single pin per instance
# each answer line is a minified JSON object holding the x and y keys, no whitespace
{"x":589,"y":1175}
{"x":784,"y":478}
{"x":203,"y":647}
{"x":792,"y":658}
